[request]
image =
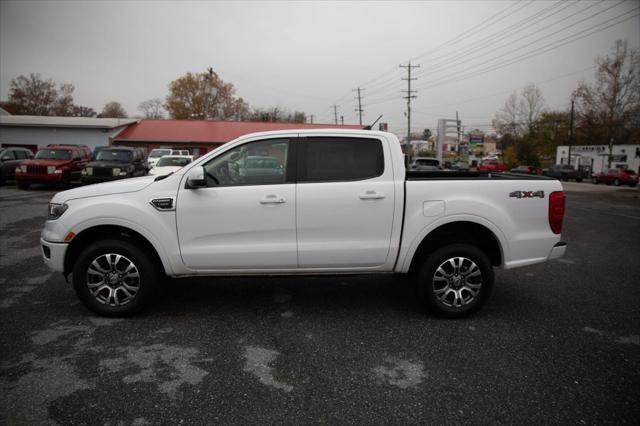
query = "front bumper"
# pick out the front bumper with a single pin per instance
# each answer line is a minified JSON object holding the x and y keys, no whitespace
{"x":38,"y":178}
{"x":53,"y":254}
{"x":558,"y":251}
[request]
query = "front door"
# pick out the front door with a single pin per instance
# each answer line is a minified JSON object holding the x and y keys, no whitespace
{"x":245,"y":218}
{"x":345,"y":202}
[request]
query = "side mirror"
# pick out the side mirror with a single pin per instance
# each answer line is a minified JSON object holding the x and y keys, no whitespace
{"x":196,"y":178}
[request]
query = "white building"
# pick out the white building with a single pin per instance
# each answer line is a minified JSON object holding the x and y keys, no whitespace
{"x":596,"y":157}
{"x":33,"y":132}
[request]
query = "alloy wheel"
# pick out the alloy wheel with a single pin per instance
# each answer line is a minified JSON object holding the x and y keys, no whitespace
{"x":113,"y":279}
{"x":457,"y":282}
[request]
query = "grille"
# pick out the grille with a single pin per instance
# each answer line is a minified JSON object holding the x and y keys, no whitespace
{"x":102,"y":171}
{"x":41,"y":170}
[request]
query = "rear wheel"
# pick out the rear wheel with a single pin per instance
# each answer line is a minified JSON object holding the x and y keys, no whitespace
{"x":23,"y":185}
{"x":616,"y":182}
{"x":114,"y":278}
{"x":456,"y":280}
{"x":594,"y":180}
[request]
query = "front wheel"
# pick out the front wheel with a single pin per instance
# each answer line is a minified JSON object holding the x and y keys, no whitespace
{"x":456,"y":280}
{"x":114,"y":278}
{"x":616,"y":182}
{"x":594,"y":180}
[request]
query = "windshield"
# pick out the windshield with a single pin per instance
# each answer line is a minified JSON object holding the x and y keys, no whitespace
{"x":173,"y":161}
{"x":114,"y":155}
{"x":157,"y":153}
{"x":53,"y":154}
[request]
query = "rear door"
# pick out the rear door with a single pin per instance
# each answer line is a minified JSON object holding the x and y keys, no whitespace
{"x":345,"y":202}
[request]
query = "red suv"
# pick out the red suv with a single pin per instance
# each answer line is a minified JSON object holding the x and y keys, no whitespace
{"x":59,"y":164}
{"x":616,"y":177}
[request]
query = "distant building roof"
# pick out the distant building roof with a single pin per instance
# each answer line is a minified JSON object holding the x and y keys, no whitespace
{"x":207,"y":131}
{"x":45,"y":121}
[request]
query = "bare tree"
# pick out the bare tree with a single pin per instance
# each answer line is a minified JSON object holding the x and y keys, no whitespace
{"x":608,"y":110}
{"x":507,"y":118}
{"x":113,"y":110}
{"x":531,"y":106}
{"x":152,"y":109}
{"x":63,"y":106}
{"x":32,"y":95}
{"x":520,"y":113}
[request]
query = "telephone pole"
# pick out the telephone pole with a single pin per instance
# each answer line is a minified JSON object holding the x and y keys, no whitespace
{"x":570,"y":133}
{"x":335,"y":113}
{"x":342,"y":120}
{"x":458,"y":126}
{"x":311,"y":118}
{"x":359,"y":110}
{"x":410,"y":95}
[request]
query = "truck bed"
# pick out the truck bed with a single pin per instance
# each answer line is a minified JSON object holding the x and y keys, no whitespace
{"x":473,"y":175}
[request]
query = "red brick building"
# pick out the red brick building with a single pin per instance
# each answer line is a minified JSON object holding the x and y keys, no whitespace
{"x":199,"y":136}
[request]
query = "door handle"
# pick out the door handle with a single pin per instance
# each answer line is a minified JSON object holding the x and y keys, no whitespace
{"x":371,"y":195}
{"x":272,"y":199}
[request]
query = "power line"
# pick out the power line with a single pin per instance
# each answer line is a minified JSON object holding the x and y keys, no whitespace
{"x":461,"y":58}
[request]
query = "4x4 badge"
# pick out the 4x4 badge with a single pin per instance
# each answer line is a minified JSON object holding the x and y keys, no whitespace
{"x":527,"y":194}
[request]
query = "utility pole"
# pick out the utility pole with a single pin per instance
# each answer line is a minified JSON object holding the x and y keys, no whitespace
{"x":571,"y":132}
{"x":311,"y":118}
{"x":342,"y":120}
{"x":359,"y":110}
{"x":410,"y":95}
{"x":458,"y":139}
{"x":335,"y":113}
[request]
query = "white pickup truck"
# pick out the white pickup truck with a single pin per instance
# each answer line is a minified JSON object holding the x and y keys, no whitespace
{"x":303,"y":202}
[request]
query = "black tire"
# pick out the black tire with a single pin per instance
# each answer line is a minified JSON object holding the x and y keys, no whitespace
{"x":594,"y":180}
{"x":579,"y":179}
{"x":23,"y":185}
{"x":616,"y":182}
{"x":428,"y":287}
{"x":65,"y":182}
{"x":146,"y":283}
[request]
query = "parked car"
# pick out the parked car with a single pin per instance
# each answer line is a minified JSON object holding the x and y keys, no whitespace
{"x":169,"y":164}
{"x":424,"y":164}
{"x":156,"y":154}
{"x":260,"y":165}
{"x":617,"y":177}
{"x":492,"y":166}
{"x":10,"y":158}
{"x":563,"y":172}
{"x":55,"y":164}
{"x":345,"y":204}
{"x":114,"y":163}
{"x":527,"y":170}
{"x":180,"y":152}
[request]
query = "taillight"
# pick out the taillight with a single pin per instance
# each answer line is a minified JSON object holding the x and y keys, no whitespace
{"x":556,"y":211}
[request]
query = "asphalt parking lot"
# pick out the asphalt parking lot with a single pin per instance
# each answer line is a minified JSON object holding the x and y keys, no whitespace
{"x":557,"y":343}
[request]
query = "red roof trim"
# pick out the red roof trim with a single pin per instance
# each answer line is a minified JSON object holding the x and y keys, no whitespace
{"x":206,"y":131}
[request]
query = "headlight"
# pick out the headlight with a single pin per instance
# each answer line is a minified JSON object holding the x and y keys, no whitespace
{"x":56,"y":210}
{"x":123,"y":173}
{"x":51,"y":169}
{"x":116,"y":171}
{"x":23,"y":169}
{"x":87,"y":171}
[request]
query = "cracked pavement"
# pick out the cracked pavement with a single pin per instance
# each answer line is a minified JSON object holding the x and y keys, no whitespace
{"x":556,"y":343}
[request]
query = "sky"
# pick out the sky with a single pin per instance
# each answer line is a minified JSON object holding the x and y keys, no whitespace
{"x":310,"y":55}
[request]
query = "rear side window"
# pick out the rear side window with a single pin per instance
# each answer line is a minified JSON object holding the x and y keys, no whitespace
{"x":331,"y":159}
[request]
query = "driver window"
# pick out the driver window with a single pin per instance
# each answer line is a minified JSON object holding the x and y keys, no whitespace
{"x":254,"y":163}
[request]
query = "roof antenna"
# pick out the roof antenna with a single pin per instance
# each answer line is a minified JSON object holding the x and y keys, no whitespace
{"x":372,"y":124}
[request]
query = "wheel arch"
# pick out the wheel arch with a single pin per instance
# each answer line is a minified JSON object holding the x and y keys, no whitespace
{"x":462,"y":231}
{"x":98,"y":232}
